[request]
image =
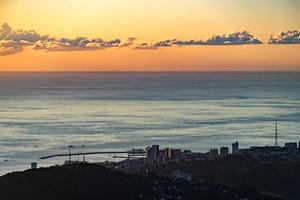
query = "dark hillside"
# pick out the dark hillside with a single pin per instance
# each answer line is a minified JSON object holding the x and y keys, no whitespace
{"x":91,"y":182}
{"x":280,"y":178}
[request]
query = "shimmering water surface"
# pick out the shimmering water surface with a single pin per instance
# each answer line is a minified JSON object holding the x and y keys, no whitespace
{"x":42,"y":113}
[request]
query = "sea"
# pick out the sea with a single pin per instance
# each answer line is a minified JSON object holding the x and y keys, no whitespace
{"x":43,"y":113}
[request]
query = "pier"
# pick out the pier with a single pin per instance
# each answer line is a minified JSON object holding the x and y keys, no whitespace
{"x":133,"y":152}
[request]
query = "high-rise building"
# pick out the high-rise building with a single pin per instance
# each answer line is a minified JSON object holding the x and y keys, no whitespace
{"x":161,"y":157}
{"x":224,"y":151}
{"x":168,"y":153}
{"x":172,"y":153}
{"x":152,"y":153}
{"x":175,"y":153}
{"x":34,"y":165}
{"x":291,"y":146}
{"x":276,"y":133}
{"x":235,"y":147}
{"x":214,"y":152}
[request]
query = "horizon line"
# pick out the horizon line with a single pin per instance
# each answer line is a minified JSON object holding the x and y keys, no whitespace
{"x":156,"y":71}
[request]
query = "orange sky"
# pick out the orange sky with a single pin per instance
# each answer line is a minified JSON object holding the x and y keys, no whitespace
{"x":208,"y":58}
{"x":152,"y":21}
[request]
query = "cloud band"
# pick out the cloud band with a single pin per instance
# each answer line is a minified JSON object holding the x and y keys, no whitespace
{"x":15,"y":41}
{"x":288,"y":37}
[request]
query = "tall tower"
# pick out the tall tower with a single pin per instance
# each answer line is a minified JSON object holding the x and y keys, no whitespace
{"x":276,"y":134}
{"x":235,"y":147}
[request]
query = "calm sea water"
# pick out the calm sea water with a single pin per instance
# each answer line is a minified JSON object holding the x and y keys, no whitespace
{"x":42,"y":113}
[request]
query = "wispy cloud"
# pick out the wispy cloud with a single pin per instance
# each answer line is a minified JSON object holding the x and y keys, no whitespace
{"x":288,"y":37}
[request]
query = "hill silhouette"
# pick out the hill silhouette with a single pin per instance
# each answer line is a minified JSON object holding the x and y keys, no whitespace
{"x":91,"y":182}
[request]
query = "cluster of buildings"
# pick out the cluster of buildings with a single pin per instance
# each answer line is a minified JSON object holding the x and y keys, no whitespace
{"x":154,"y":156}
{"x":288,"y":150}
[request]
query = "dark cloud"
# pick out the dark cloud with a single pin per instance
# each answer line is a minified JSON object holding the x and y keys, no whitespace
{"x":5,"y":30}
{"x":14,"y":41}
{"x":165,"y":43}
{"x":8,"y":45}
{"x":189,"y":42}
{"x":77,"y":44}
{"x":236,"y":38}
{"x":157,"y":45}
{"x":7,"y":33}
{"x":30,"y":36}
{"x":146,"y":46}
{"x":288,"y":37}
{"x":9,"y":51}
{"x":130,"y":41}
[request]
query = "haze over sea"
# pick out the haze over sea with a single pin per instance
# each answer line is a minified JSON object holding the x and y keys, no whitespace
{"x":43,"y":113}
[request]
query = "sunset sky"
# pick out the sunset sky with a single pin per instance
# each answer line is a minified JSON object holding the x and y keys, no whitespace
{"x":131,"y":32}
